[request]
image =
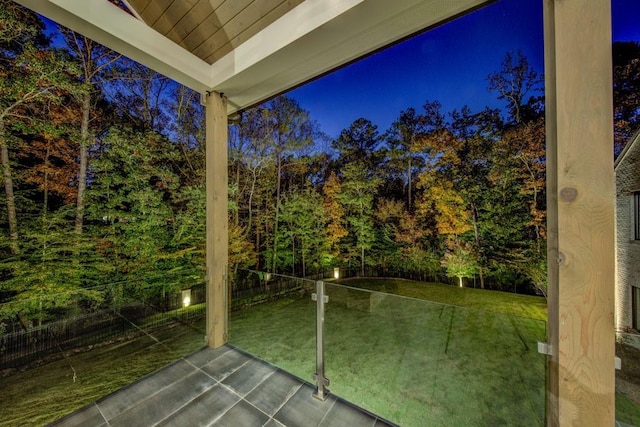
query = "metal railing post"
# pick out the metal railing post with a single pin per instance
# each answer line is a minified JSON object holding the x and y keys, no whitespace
{"x":322,"y":382}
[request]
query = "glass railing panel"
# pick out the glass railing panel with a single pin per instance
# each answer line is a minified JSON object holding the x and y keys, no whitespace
{"x":63,"y":360}
{"x":420,"y":363}
{"x":273,"y":317}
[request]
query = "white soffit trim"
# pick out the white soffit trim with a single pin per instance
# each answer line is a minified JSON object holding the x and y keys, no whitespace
{"x":109,"y":25}
{"x":300,"y":21}
{"x":132,"y":10}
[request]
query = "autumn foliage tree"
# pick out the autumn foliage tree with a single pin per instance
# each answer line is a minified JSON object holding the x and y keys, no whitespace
{"x":31,"y":79}
{"x":103,"y":172}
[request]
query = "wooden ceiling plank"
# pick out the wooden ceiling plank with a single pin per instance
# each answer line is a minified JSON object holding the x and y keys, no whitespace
{"x":248,"y":17}
{"x":254,"y":29}
{"x":154,"y":10}
{"x":231,"y":8}
{"x":139,"y":5}
{"x":173,"y":14}
{"x":201,"y":11}
{"x":202,"y":32}
{"x":226,"y":10}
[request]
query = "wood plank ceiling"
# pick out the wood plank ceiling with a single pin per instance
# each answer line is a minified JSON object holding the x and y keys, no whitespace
{"x":211,"y":28}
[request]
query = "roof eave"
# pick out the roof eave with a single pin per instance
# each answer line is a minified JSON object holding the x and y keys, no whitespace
{"x":312,"y":39}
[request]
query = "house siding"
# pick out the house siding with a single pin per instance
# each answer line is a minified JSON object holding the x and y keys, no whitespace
{"x":627,"y":249}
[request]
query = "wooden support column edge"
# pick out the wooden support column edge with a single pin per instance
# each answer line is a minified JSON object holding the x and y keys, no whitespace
{"x":217,"y":218}
{"x":581,"y":212}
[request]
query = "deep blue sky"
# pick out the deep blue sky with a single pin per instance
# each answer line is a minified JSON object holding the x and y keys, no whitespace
{"x":448,"y":64}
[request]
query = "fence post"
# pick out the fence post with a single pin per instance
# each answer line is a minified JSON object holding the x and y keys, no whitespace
{"x":322,"y":382}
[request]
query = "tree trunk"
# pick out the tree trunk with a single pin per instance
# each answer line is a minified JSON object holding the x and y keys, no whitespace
{"x":258,"y":246}
{"x":250,"y":203}
{"x":477,"y":239}
{"x":304,"y":262}
{"x":8,"y":188}
{"x":362,"y":261}
{"x":236,"y":214}
{"x":293,"y":256}
{"x":45,"y":196}
{"x":275,"y":223}
{"x":82,"y":174}
{"x":409,"y":178}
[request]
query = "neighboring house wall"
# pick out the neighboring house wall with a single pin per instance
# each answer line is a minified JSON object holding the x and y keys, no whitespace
{"x":627,"y":170}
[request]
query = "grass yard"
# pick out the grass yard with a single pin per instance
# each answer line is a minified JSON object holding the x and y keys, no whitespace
{"x":412,"y":361}
{"x":500,"y":302}
{"x":41,"y":395}
{"x":417,"y":362}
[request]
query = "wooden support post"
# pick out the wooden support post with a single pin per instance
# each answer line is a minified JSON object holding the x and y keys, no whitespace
{"x":217,"y":218}
{"x":580,"y":203}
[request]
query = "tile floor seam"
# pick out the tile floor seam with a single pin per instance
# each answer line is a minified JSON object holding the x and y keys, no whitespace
{"x":208,"y":375}
{"x":183,"y":406}
{"x":151,"y":395}
{"x":189,"y":362}
{"x":278,"y":423}
{"x":246,"y":401}
{"x":100,"y":412}
{"x":263,"y":380}
{"x":287,"y":399}
{"x":233,"y":372}
{"x":216,"y":419}
{"x":200,"y":367}
{"x":231,"y":390}
{"x":335,"y":400}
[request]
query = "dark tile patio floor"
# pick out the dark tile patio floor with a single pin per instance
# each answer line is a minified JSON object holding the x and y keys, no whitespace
{"x":222,"y":387}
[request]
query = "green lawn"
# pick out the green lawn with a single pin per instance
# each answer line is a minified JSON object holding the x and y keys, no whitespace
{"x":412,"y":361}
{"x":46,"y":393}
{"x":496,"y":301}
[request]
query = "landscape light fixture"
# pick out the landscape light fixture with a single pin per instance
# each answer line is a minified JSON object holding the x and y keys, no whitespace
{"x":186,"y":298}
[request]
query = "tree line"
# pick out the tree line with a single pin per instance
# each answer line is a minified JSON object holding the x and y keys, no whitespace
{"x":103,"y":170}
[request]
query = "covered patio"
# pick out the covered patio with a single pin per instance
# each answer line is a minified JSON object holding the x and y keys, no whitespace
{"x":218,"y":387}
{"x":240,"y":53}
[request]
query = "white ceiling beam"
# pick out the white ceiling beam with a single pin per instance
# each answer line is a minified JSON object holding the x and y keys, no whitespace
{"x":364,"y":28}
{"x":294,"y":25}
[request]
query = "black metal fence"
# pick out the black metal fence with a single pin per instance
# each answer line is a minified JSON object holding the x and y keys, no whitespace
{"x":250,"y":287}
{"x":102,"y":326}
